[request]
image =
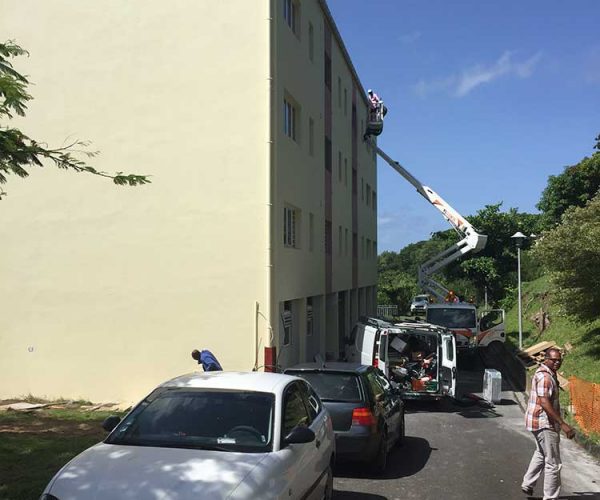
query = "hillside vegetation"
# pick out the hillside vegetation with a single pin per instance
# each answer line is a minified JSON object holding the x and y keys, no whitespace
{"x":583,"y":360}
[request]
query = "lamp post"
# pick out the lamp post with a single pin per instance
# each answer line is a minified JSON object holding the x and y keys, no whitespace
{"x":519,"y":239}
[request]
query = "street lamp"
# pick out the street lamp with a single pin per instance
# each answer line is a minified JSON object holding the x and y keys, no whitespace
{"x":519,"y":238}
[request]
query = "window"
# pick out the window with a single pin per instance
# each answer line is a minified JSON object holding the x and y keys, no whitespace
{"x":449,"y":349}
{"x":290,"y":222}
{"x":374,"y":249}
{"x":291,"y":14}
{"x":376,"y":388}
{"x":346,"y":172}
{"x":311,"y":137}
{"x":290,"y":117}
{"x":311,"y":42}
{"x":286,"y":319}
{"x":328,"y":237}
{"x":368,"y":195}
{"x":362,"y":247}
{"x":339,"y":92}
{"x":340,"y":166}
{"x":368,"y":248}
{"x":346,"y":243}
{"x":346,"y":102}
{"x":328,"y":71}
{"x":309,"y":317}
{"x":311,"y":232}
{"x":374,"y":200}
{"x":294,"y":411}
{"x":340,"y":241}
{"x":362,"y":189}
{"x":183,"y":418}
{"x":314,"y":404}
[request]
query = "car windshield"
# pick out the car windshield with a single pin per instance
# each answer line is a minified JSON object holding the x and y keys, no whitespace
{"x":223,"y":420}
{"x":452,"y":317}
{"x":332,"y":386}
{"x":420,"y":298}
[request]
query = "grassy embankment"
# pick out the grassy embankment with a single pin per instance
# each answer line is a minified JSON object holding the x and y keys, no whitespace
{"x":35,"y":445}
{"x":583,"y":361}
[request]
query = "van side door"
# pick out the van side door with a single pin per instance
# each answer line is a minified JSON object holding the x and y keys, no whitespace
{"x":448,"y":364}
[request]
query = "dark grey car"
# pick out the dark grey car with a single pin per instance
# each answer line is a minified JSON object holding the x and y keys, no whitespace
{"x":367,"y":413}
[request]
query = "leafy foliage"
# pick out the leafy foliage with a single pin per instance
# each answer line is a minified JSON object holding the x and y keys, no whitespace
{"x":18,"y":152}
{"x":571,"y":251}
{"x":574,"y":187}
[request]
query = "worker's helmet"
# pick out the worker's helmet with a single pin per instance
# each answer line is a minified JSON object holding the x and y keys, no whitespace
{"x":369,"y":91}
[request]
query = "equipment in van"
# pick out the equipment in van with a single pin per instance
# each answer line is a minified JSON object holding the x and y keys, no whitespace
{"x":420,"y":358}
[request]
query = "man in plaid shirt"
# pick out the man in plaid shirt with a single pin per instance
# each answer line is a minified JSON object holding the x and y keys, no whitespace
{"x":543,"y":419}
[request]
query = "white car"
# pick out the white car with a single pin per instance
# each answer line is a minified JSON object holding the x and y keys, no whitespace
{"x":419,"y":304}
{"x":214,"y":435}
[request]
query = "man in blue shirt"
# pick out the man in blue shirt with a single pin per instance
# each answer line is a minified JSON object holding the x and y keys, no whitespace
{"x":207,"y":359}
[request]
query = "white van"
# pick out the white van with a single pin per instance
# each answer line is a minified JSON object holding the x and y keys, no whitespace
{"x":419,"y":357}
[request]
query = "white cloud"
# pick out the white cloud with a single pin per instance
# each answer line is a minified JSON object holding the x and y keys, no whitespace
{"x":409,"y":38}
{"x":471,"y":78}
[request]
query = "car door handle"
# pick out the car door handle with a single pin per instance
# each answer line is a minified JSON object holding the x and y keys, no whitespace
{"x":318,"y":443}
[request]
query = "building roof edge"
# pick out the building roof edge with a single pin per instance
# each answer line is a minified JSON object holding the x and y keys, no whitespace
{"x":340,"y":40}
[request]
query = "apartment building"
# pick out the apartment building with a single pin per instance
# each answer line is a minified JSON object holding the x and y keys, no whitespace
{"x":257,"y":238}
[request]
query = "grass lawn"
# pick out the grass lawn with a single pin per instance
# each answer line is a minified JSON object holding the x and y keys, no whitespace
{"x":35,"y":445}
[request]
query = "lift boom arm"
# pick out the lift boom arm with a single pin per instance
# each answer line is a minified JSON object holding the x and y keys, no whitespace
{"x":471,"y":240}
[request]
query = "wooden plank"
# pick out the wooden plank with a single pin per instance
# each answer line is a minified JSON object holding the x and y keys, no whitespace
{"x":534,"y":349}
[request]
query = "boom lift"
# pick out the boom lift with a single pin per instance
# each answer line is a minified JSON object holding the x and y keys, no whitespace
{"x":470,"y":330}
{"x":471,"y":240}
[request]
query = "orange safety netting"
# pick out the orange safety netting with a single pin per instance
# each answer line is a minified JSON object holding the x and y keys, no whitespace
{"x":585,"y":398}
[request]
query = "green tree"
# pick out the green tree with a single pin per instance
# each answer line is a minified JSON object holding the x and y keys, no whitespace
{"x":573,"y":188}
{"x":571,"y":252}
{"x":396,"y":288}
{"x":18,"y":152}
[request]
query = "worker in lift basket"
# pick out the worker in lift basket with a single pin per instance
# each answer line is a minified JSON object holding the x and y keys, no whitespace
{"x":375,"y":103}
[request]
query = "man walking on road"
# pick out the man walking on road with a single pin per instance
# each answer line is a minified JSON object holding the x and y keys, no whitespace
{"x":543,"y":419}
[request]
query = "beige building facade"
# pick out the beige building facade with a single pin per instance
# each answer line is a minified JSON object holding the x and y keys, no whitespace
{"x":257,"y":238}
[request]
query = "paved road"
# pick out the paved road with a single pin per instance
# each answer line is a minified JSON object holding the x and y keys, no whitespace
{"x":465,"y":451}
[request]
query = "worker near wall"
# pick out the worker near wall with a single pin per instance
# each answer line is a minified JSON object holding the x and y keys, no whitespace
{"x":544,"y":420}
{"x":207,"y":359}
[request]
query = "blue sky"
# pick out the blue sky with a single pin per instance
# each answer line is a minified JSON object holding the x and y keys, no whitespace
{"x":486,"y":98}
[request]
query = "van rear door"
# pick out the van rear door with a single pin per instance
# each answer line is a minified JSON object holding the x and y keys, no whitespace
{"x":448,"y":364}
{"x":365,"y":343}
{"x":382,"y":362}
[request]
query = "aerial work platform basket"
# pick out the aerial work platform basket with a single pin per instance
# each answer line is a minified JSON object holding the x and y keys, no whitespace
{"x":375,"y":121}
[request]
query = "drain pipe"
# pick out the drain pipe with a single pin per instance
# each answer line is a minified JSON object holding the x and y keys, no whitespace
{"x":270,"y":360}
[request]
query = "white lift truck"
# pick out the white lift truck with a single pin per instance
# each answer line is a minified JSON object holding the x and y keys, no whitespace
{"x":471,"y":330}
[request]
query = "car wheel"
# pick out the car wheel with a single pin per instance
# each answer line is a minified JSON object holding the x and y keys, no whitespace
{"x":328,"y":493}
{"x":382,"y":453}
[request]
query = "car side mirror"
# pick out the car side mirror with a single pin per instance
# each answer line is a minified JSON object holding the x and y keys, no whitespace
{"x":299,"y":434}
{"x":110,"y":422}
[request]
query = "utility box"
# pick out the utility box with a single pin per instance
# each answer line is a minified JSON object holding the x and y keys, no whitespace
{"x":492,"y":386}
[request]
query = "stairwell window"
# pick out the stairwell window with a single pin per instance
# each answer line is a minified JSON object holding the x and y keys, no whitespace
{"x":290,"y":118}
{"x":291,"y":221}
